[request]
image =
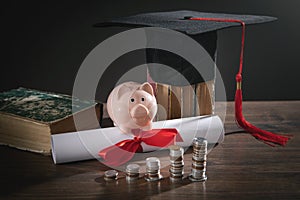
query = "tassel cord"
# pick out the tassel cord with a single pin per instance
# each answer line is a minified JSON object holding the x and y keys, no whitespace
{"x":266,"y":136}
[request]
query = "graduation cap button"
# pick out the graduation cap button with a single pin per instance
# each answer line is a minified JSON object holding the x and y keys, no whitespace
{"x":187,"y":17}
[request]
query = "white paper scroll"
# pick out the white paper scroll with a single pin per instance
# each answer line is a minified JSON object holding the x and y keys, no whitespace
{"x":84,"y":145}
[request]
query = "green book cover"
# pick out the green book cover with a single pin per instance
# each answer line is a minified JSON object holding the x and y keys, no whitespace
{"x":40,"y":106}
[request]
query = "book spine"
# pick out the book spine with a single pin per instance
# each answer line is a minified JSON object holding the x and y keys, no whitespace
{"x":175,"y":99}
{"x":205,"y":98}
{"x":163,"y":101}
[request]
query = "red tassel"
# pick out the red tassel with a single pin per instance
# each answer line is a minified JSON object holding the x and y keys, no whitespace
{"x":259,"y":134}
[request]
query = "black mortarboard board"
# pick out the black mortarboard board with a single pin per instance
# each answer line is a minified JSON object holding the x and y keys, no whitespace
{"x":175,"y":20}
{"x":204,"y":32}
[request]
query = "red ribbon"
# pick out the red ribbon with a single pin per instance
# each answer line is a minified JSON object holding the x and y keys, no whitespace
{"x":123,"y":151}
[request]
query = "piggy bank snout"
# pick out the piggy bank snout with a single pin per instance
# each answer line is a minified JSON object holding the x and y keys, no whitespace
{"x":140,"y":115}
{"x":139,"y":110}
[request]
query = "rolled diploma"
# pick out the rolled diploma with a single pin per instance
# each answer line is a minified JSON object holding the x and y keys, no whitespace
{"x":84,"y":145}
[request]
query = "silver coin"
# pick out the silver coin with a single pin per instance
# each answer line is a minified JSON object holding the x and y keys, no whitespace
{"x":197,"y":179}
{"x":110,"y":173}
{"x":133,"y":168}
{"x":149,"y":178}
{"x":199,"y":141}
{"x":176,"y":171}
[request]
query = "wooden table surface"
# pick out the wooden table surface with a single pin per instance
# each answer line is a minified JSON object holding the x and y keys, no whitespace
{"x":239,"y":168}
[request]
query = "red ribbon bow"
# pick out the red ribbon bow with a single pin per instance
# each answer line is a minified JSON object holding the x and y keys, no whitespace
{"x":123,"y":151}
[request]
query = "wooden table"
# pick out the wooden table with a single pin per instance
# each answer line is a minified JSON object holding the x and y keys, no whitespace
{"x":239,"y":168}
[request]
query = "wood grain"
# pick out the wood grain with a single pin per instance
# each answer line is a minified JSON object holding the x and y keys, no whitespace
{"x":239,"y":168}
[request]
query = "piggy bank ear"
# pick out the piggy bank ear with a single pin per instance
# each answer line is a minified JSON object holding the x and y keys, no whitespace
{"x":122,"y":90}
{"x":147,"y":88}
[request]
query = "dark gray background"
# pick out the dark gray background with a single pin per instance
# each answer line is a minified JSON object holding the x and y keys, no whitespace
{"x":44,"y":42}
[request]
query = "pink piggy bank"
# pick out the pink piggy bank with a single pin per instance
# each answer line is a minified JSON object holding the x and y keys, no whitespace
{"x":131,"y":106}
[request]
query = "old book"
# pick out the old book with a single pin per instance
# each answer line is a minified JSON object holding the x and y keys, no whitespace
{"x":188,"y":101}
{"x":29,"y":117}
{"x":184,"y":101}
{"x":176,"y":100}
{"x":162,"y":94}
{"x":205,"y":98}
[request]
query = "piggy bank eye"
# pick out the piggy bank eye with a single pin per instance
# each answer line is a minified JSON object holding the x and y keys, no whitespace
{"x":143,"y":99}
{"x":132,"y":100}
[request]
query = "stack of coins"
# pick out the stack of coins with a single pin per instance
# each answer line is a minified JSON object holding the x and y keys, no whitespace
{"x":153,"y":169}
{"x":199,"y":160}
{"x":176,"y":158}
{"x":132,"y":172}
{"x":110,"y":175}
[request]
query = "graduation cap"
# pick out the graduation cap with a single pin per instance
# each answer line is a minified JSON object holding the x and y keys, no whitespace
{"x":202,"y":27}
